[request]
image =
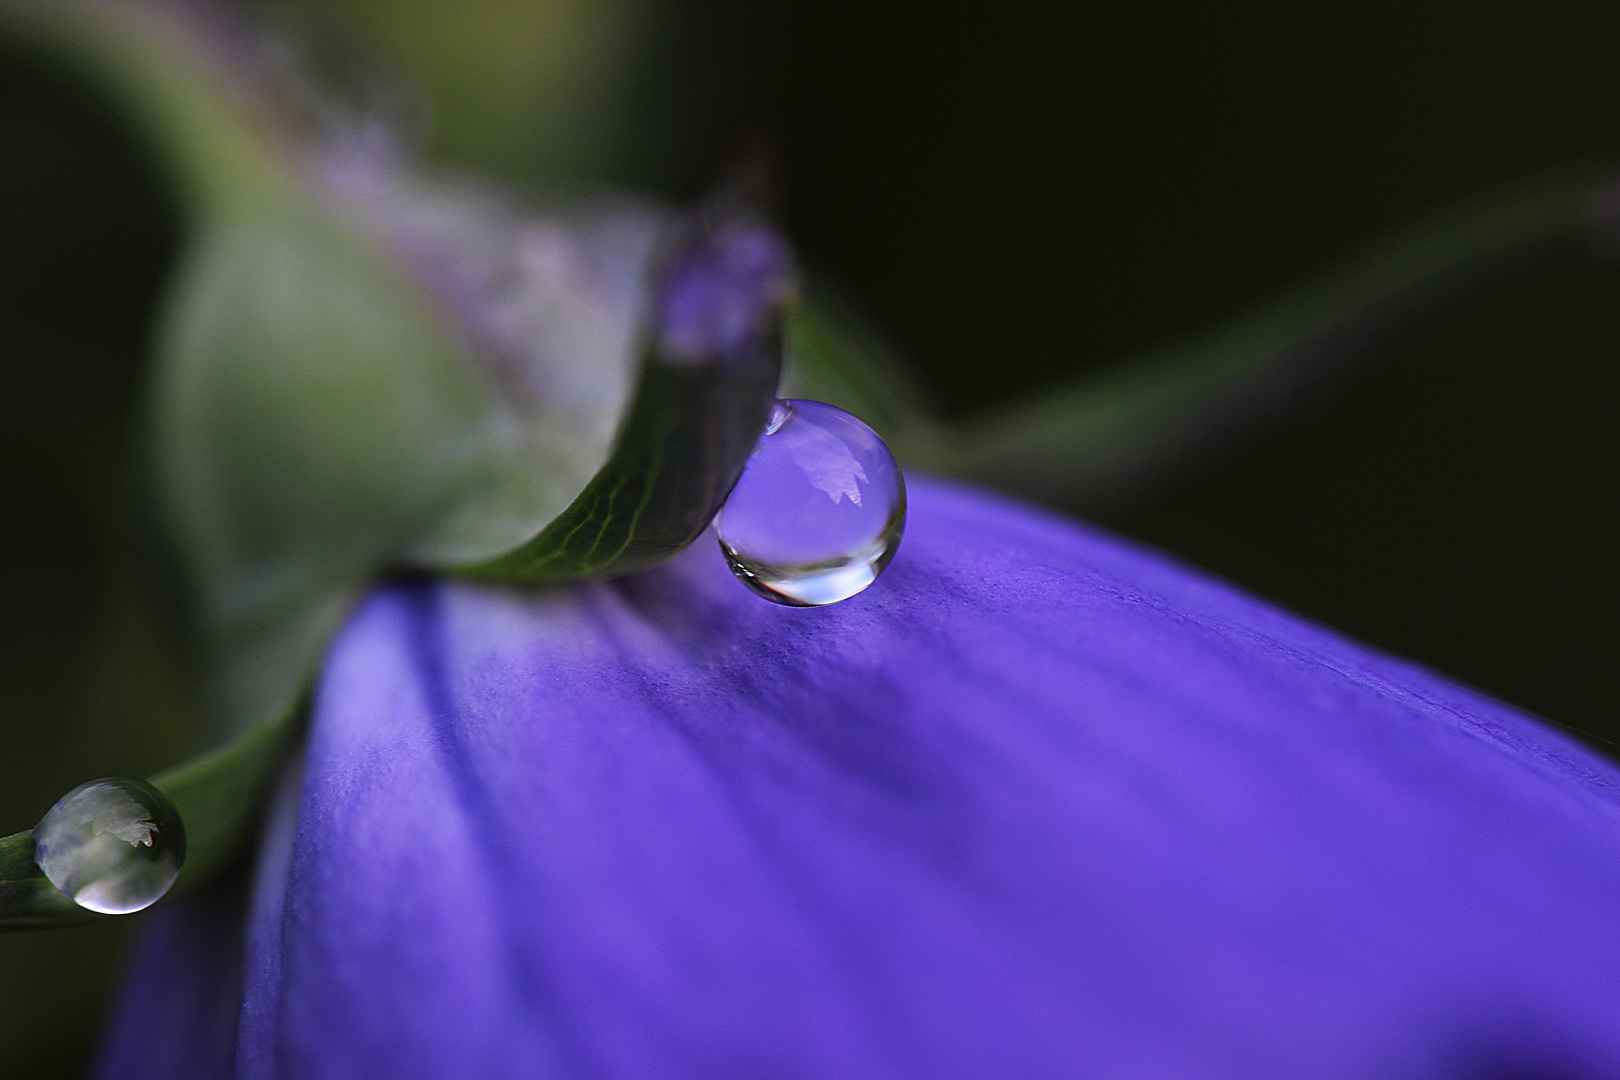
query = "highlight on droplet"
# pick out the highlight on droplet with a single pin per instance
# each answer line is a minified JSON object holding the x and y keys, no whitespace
{"x":819,"y":510}
{"x":113,"y":845}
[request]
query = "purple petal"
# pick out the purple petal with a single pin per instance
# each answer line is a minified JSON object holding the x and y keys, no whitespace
{"x":1037,"y":804}
{"x":181,"y":1003}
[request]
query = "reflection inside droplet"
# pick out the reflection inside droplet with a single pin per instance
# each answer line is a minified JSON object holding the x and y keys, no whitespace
{"x":113,"y":845}
{"x":819,"y":510}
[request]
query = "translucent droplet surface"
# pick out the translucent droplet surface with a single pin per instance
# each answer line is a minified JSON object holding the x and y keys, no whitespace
{"x":819,"y":510}
{"x":113,"y":845}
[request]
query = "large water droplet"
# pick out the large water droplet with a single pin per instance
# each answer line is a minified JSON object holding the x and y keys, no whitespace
{"x":112,"y":845}
{"x":819,"y":510}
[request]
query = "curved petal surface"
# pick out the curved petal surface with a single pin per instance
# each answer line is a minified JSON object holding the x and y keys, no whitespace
{"x":1039,"y":804}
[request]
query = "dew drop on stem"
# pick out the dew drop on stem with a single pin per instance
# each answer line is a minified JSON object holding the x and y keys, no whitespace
{"x":113,"y":845}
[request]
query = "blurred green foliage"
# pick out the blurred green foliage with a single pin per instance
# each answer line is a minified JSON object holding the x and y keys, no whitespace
{"x":549,"y":93}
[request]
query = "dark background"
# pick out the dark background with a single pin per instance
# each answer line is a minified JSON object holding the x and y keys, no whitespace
{"x":1025,"y":191}
{"x":1019,"y":193}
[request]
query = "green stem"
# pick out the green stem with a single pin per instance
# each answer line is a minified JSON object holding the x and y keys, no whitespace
{"x":219,"y":796}
{"x":215,"y":146}
{"x":1084,"y":441}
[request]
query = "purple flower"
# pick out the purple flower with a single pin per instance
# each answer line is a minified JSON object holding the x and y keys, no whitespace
{"x":1039,"y":804}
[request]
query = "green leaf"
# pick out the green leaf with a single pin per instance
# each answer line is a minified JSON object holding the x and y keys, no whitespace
{"x":1095,"y":438}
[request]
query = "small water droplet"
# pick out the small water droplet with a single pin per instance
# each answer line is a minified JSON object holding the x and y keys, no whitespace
{"x":819,"y":510}
{"x":113,"y":845}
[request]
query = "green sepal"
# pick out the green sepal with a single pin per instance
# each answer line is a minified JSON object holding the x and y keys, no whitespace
{"x":307,"y":415}
{"x":679,"y":453}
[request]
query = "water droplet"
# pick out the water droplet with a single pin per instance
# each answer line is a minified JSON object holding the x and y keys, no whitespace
{"x":113,"y":845}
{"x":819,"y":510}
